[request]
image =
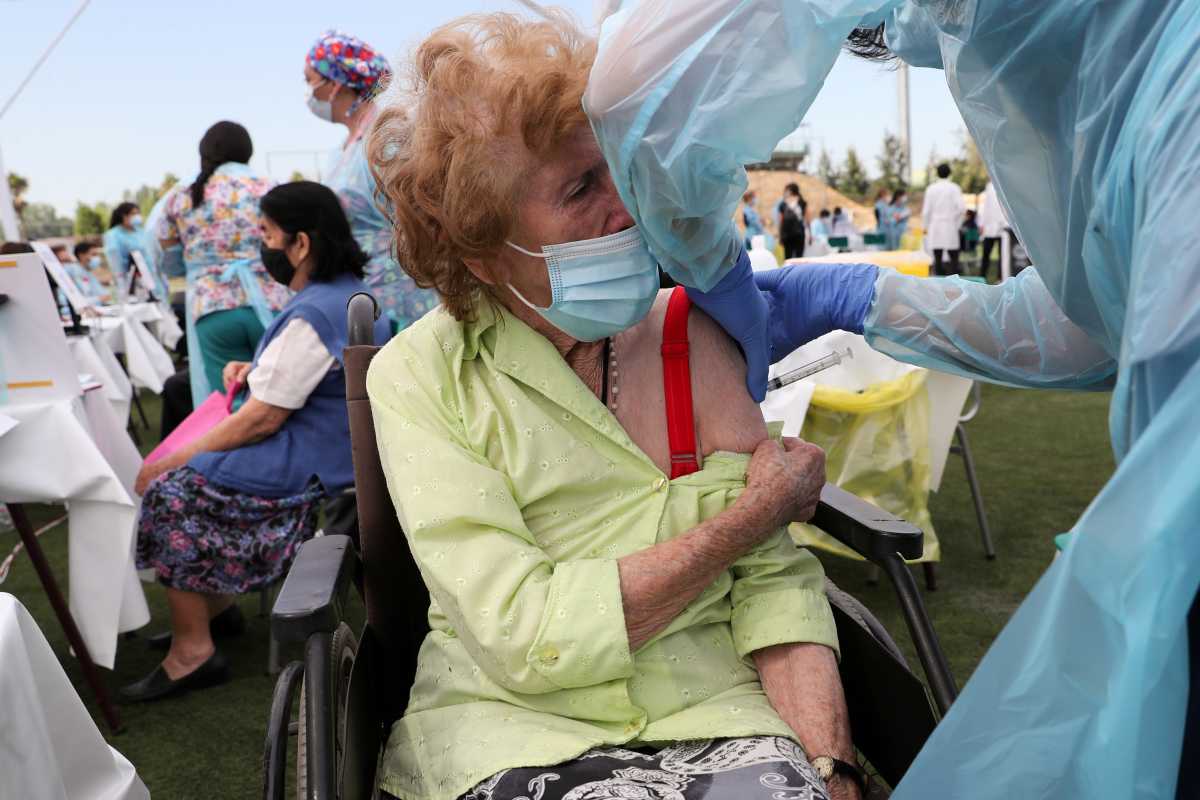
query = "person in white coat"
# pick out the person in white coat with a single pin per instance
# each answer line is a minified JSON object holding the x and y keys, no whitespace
{"x":992,"y":225}
{"x":941,"y":215}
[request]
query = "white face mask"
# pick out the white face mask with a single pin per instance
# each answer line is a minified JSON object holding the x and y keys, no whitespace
{"x":598,"y":287}
{"x":322,"y":109}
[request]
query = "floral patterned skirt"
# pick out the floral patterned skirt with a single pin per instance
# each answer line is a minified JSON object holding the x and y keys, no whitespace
{"x":746,"y":768}
{"x":201,"y":537}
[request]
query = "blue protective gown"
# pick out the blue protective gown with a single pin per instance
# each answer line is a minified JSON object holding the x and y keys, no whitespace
{"x":401,"y":299}
{"x":1087,"y":117}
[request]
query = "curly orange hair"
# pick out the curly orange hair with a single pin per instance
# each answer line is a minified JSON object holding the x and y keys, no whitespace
{"x":486,"y":95}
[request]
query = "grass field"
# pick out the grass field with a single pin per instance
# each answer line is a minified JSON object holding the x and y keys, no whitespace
{"x":1041,"y":457}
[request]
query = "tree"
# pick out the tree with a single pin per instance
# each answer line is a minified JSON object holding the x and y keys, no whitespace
{"x":17,"y":186}
{"x":930,"y":168}
{"x":145,"y":196}
{"x":826,"y":170}
{"x":854,"y":181}
{"x":893,"y":164}
{"x":297,"y":175}
{"x":41,"y":221}
{"x":968,"y":170}
{"x":90,"y":220}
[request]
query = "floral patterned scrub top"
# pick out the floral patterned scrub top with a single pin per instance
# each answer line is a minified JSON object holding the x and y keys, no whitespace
{"x":518,"y":491}
{"x":398,"y":295}
{"x":223,"y":230}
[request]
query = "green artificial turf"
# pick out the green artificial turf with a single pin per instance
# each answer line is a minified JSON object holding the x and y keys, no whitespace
{"x":1041,"y":456}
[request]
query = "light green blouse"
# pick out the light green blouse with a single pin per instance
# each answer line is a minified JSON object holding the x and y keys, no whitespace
{"x":518,"y":491}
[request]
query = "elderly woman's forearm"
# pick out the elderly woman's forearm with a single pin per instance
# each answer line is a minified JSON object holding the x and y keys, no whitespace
{"x":802,"y":682}
{"x":658,"y":583}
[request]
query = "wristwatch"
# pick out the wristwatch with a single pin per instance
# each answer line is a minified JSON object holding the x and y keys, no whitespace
{"x":828,"y":766}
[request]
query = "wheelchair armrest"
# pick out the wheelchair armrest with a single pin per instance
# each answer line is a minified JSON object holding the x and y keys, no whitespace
{"x":866,"y":529}
{"x":313,"y":597}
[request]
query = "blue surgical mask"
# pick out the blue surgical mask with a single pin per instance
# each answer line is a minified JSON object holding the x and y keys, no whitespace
{"x":94,"y":262}
{"x":322,"y":109}
{"x":599,"y":287}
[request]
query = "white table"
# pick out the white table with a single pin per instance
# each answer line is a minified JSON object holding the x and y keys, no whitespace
{"x":77,"y":451}
{"x":50,"y":749}
{"x":94,"y":357}
{"x":158,"y":318}
{"x":145,"y":358}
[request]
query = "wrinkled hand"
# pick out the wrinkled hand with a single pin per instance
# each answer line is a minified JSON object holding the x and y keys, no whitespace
{"x":149,"y":472}
{"x":842,"y":788}
{"x":235,"y":372}
{"x":784,"y":482}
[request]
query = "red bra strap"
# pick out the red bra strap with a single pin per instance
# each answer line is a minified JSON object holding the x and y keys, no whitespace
{"x":677,"y":381}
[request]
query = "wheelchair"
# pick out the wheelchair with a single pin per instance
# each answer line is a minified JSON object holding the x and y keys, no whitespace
{"x":352,"y":688}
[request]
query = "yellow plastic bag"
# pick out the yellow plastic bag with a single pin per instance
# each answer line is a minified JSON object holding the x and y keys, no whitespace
{"x":876,"y":446}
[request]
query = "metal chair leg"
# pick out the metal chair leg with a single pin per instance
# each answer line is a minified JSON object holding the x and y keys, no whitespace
{"x":273,"y":657}
{"x":929,"y":649}
{"x":930,"y":570}
{"x":985,"y":531}
{"x":137,"y":403}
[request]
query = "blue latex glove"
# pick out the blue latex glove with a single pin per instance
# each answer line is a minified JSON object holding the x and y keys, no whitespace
{"x":742,"y":310}
{"x":810,"y":300}
{"x":772,"y":313}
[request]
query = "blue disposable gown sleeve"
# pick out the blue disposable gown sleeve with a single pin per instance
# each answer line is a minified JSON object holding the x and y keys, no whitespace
{"x":1012,"y":333}
{"x":683,"y":94}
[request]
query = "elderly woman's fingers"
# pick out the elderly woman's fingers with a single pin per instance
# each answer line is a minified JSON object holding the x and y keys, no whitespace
{"x":785,"y":480}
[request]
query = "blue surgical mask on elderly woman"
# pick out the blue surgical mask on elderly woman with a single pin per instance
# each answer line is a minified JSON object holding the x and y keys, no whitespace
{"x":599,"y":287}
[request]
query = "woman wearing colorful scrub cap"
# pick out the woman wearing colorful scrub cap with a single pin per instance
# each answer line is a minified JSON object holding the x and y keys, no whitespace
{"x":344,"y":74}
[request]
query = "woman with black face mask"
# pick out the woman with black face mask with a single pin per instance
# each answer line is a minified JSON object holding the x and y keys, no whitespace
{"x":230,"y":297}
{"x":225,"y":514}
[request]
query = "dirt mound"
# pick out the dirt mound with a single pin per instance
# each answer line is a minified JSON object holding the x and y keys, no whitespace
{"x":769,"y":186}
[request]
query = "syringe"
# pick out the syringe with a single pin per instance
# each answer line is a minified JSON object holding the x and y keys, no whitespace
{"x":811,"y":368}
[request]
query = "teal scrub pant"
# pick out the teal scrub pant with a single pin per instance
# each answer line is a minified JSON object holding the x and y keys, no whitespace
{"x":225,"y":336}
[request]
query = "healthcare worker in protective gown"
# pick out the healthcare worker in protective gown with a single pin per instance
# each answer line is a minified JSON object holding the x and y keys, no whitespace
{"x":344,"y":74}
{"x":1088,"y":117}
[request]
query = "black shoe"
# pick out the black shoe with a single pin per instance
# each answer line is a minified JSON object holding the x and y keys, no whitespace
{"x":158,"y":684}
{"x":229,"y":623}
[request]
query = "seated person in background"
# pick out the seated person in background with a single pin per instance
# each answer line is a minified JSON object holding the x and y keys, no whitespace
{"x":85,"y":269}
{"x":822,"y":225}
{"x":842,"y":224}
{"x":225,"y":514}
{"x":646,"y":637}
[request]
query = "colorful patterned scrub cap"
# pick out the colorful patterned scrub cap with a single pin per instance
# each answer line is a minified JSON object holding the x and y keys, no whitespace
{"x":349,"y":61}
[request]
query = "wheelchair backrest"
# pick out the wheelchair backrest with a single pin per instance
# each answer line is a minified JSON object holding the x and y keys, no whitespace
{"x":395,"y":595}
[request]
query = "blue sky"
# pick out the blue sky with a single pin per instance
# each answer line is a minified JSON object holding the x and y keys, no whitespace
{"x":135,"y":83}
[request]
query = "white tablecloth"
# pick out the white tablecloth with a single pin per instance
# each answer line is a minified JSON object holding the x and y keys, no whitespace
{"x":96,"y":358}
{"x":158,"y":318}
{"x":77,"y":451}
{"x":147,"y":361}
{"x":50,"y":748}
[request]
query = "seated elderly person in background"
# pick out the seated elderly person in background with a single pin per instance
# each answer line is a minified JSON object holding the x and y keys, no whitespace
{"x":597,"y":629}
{"x":225,"y":514}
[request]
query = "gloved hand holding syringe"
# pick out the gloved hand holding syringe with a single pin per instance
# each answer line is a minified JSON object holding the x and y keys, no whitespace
{"x":809,"y":369}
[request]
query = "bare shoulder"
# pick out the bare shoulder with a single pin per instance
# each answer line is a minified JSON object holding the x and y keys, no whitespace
{"x":727,"y":418}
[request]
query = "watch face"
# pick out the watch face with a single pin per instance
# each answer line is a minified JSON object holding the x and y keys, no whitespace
{"x":824,"y":767}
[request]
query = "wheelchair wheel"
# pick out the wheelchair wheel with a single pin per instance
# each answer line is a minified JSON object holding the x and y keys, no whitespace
{"x":342,"y":648}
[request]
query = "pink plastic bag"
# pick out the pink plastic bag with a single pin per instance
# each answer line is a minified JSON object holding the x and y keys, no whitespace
{"x":203,"y":419}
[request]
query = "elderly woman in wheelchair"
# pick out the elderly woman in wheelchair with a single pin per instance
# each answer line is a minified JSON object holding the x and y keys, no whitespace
{"x":615,"y":611}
